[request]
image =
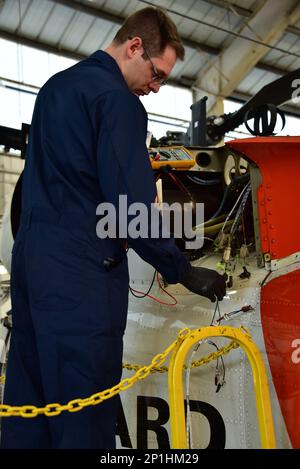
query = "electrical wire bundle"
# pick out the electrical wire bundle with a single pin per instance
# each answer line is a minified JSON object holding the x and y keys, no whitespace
{"x":139,"y":294}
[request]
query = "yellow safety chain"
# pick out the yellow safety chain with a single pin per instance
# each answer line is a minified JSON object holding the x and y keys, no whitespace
{"x":202,"y":361}
{"x":50,"y":410}
{"x":164,"y":369}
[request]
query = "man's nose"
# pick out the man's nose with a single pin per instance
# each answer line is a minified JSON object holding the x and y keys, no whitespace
{"x":154,"y":86}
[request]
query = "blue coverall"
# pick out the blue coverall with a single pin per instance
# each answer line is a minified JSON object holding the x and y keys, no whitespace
{"x":86,"y":146}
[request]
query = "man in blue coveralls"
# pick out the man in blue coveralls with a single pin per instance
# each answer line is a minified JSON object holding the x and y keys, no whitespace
{"x":70,"y":288}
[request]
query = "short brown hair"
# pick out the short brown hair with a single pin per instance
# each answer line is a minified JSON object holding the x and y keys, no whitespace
{"x":155,"y":28}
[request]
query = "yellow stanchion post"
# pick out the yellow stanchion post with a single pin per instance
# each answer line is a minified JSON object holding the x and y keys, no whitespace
{"x":261,"y":389}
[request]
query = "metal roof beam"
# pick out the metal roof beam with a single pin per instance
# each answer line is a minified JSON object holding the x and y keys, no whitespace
{"x":96,"y":12}
{"x":184,"y":82}
{"x":245,"y":12}
{"x":201,"y":47}
{"x":40,"y":45}
{"x":225,"y":72}
{"x":91,"y":10}
{"x":293,"y":30}
{"x":76,"y":56}
{"x":241,"y":11}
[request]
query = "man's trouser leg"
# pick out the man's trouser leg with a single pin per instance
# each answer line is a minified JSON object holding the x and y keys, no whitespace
{"x":23,"y":383}
{"x":79,"y":314}
{"x":77,"y":319}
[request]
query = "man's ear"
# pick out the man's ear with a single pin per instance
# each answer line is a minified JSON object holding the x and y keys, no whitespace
{"x":134,"y":44}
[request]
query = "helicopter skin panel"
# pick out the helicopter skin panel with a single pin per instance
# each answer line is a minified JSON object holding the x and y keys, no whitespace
{"x":280,"y":312}
{"x":279,"y":164}
{"x":278,"y":161}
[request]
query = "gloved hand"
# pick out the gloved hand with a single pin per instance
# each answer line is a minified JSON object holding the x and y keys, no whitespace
{"x":205,"y":282}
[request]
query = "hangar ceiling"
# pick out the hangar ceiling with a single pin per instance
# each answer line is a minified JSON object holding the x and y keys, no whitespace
{"x":233,"y":48}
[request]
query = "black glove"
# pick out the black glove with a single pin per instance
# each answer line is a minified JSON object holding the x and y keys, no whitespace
{"x":205,"y":282}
